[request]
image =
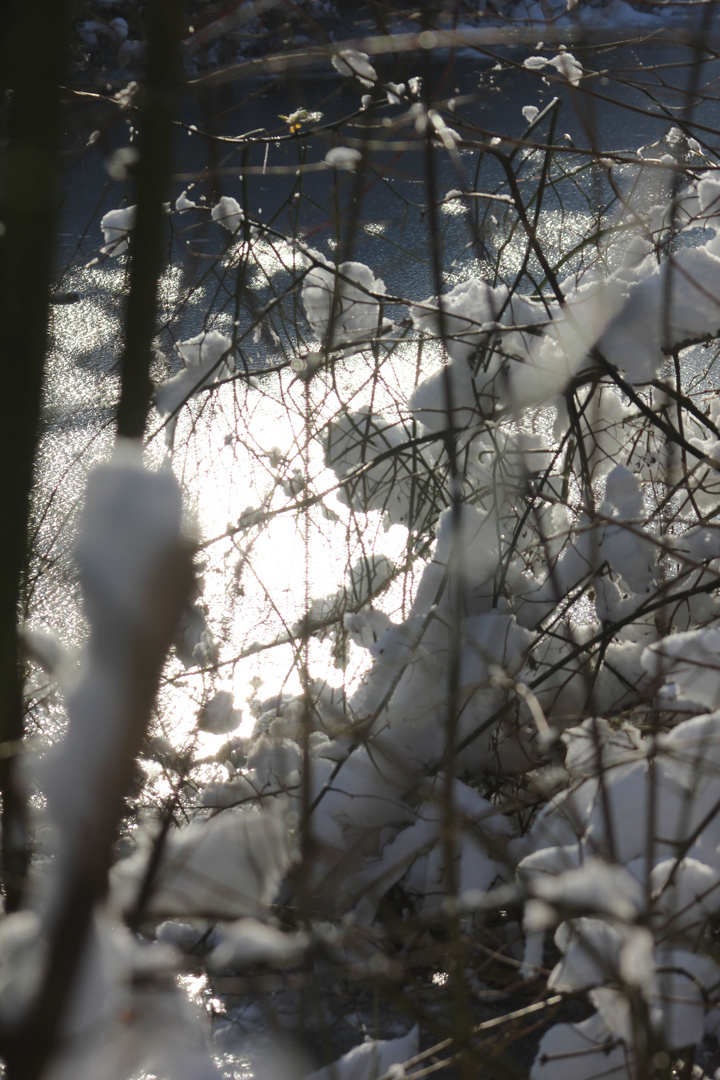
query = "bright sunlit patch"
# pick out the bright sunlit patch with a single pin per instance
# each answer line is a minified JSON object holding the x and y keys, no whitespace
{"x":193,"y":985}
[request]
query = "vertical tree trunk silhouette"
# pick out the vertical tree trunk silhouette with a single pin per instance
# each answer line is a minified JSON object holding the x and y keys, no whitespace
{"x":28,"y":210}
{"x":159,"y":99}
{"x":34,"y":63}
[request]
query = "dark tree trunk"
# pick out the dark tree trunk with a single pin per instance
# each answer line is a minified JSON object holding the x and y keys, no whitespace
{"x":35,"y":44}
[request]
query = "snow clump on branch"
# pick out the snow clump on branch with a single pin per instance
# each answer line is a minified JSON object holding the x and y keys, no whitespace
{"x":341,"y":303}
{"x":206,"y":358}
{"x":116,"y":226}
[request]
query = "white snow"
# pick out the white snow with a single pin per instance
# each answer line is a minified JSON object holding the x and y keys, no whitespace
{"x":249,"y":941}
{"x":341,"y":302}
{"x":351,"y":62}
{"x":119,"y":28}
{"x":564,"y":63}
{"x":118,"y":165}
{"x":206,"y":358}
{"x":228,"y":213}
{"x":23,"y":950}
{"x":371,"y":1059}
{"x":220,"y":716}
{"x":581,"y":1052}
{"x":116,"y":226}
{"x":691,"y":663}
{"x":128,"y":992}
{"x":343,"y":157}
{"x":226,"y":867}
{"x":183,"y":203}
{"x":592,"y":887}
{"x":130,"y":532}
{"x":546,"y":614}
{"x":130,"y":524}
{"x":354,"y":440}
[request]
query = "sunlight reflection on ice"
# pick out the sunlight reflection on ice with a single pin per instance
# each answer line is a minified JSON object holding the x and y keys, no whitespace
{"x":235,"y":447}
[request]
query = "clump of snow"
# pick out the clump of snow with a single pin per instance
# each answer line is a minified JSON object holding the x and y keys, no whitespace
{"x":592,"y":887}
{"x":119,"y":165}
{"x":685,"y":895}
{"x":526,"y":369}
{"x":195,"y":642}
{"x":43,"y":648}
{"x":116,"y":226}
{"x":564,"y":63}
{"x":131,"y":53}
{"x":365,"y":443}
{"x":183,"y":203}
{"x":128,"y":990}
{"x":343,"y":157}
{"x":535,"y":63}
{"x":371,"y":1059}
{"x":628,"y":549}
{"x":206,"y":348}
{"x":341,"y":302}
{"x":227,"y":867}
{"x":130,"y":523}
{"x":88,"y":31}
{"x":364,"y":580}
{"x":690,"y":662}
{"x":23,"y":950}
{"x":709,"y":192}
{"x":604,"y":950}
{"x":129,"y":540}
{"x":228,"y":213}
{"x":220,"y":716}
{"x":351,"y":62}
{"x":249,"y":941}
{"x":119,"y":28}
{"x":126,"y":95}
{"x":581,"y":1051}
{"x":206,"y":358}
{"x":131,"y":516}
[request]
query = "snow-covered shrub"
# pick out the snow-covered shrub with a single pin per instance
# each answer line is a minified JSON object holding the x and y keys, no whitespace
{"x":625,"y":865}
